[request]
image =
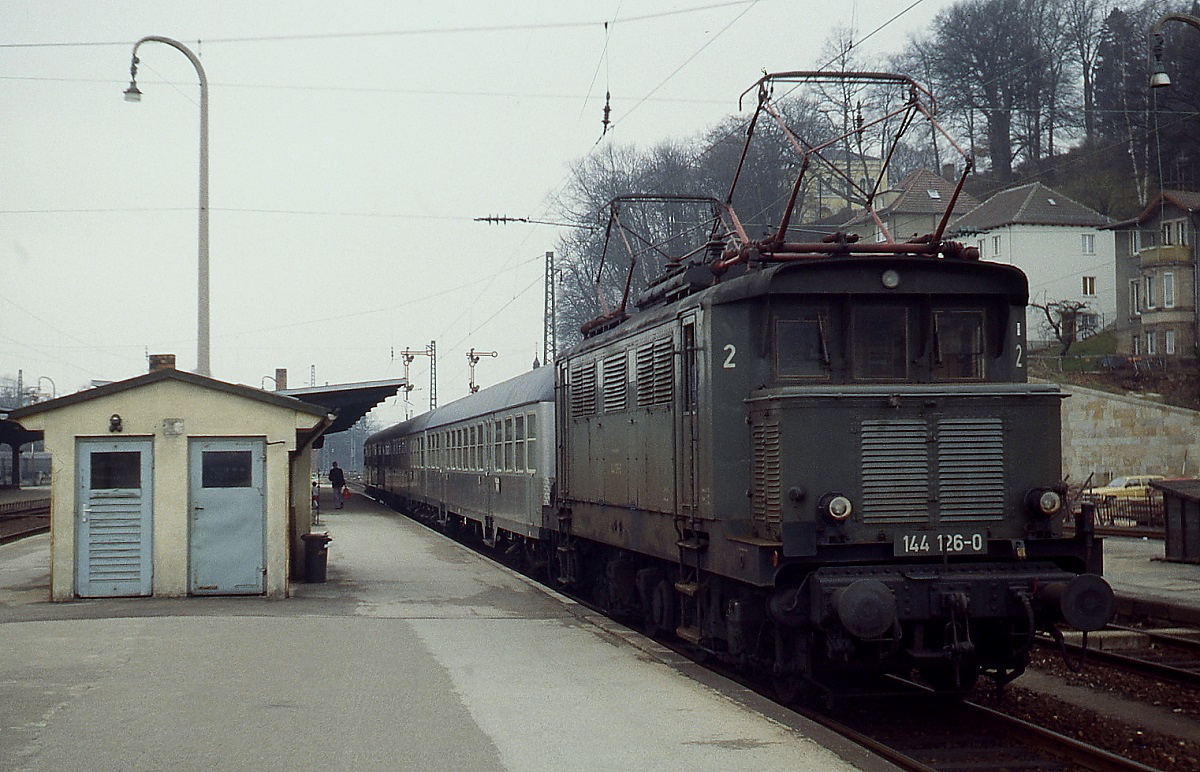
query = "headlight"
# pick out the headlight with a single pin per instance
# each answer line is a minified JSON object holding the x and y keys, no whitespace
{"x":835,"y":507}
{"x":1044,"y":501}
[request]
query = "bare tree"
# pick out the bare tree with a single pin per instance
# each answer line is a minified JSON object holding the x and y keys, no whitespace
{"x":1082,"y":23}
{"x":1062,"y":321}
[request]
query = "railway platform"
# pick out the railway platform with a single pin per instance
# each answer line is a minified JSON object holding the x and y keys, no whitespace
{"x":1146,"y":584}
{"x":414,"y":654}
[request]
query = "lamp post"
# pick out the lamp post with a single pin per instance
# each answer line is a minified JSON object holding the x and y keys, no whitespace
{"x":53,"y":389}
{"x":1160,"y":78}
{"x":132,"y":94}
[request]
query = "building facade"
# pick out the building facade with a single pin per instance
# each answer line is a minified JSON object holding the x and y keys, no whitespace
{"x":1156,"y":269}
{"x":1060,"y":244}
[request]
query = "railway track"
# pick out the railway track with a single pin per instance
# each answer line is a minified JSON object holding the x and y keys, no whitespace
{"x":1169,"y":654}
{"x":19,"y":519}
{"x":922,"y":731}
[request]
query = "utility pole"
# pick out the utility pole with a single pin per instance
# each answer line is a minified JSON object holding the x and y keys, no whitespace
{"x":549,"y":336}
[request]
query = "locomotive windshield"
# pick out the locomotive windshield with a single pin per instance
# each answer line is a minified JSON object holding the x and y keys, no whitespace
{"x":803,"y":349}
{"x":880,"y":339}
{"x":957,"y":345}
{"x":921,"y":341}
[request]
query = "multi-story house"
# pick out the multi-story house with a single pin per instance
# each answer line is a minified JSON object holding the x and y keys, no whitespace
{"x":1060,"y":244}
{"x":1156,"y":266}
{"x":913,"y":208}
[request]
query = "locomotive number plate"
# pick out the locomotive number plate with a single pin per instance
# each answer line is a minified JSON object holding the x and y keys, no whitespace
{"x":940,"y":543}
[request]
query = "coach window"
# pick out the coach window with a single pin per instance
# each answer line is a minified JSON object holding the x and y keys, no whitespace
{"x":519,"y":443}
{"x":802,"y":347}
{"x":957,"y":345}
{"x":508,"y":444}
{"x":531,"y":442}
{"x":880,"y":343}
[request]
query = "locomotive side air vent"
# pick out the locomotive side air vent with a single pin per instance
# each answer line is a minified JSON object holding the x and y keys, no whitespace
{"x":616,"y":376}
{"x":583,"y":390}
{"x":766,"y":482}
{"x":655,"y":373}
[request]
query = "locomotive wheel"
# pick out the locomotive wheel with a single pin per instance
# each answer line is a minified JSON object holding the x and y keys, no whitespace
{"x":659,"y":614}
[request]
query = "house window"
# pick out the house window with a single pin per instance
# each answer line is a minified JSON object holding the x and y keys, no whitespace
{"x":1135,"y":241}
{"x":1168,"y":290}
{"x":1167,"y":228}
{"x":1150,"y":292}
{"x":1151,"y":348}
{"x":1137,"y":345}
{"x":1170,"y":335}
{"x":1089,"y":285}
{"x":1135,"y":297}
{"x":1181,"y":234}
{"x":1089,"y":244}
{"x":995,"y":245}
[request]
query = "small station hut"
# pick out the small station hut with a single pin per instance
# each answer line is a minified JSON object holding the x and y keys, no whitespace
{"x":173,"y":484}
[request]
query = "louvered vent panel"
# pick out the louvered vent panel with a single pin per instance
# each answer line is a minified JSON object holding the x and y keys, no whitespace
{"x":664,"y":372}
{"x":115,"y":530}
{"x":765,"y":436}
{"x":645,"y":375}
{"x":583,"y":390}
{"x":616,"y":374}
{"x":895,"y":471}
{"x":970,"y":474}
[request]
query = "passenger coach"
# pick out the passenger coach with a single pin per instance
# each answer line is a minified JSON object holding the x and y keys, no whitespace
{"x":483,"y":463}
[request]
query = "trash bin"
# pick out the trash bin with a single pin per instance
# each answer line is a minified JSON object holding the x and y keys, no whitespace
{"x":316,"y":556}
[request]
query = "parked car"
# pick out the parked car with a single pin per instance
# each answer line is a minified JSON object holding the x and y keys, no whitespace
{"x":1135,"y":486}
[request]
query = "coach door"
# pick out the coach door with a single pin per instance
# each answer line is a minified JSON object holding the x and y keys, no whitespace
{"x":114,"y":503}
{"x":228,"y":517}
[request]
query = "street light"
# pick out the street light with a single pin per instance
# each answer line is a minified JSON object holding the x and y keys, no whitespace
{"x":53,"y":389}
{"x":133,"y":94}
{"x":1160,"y":78}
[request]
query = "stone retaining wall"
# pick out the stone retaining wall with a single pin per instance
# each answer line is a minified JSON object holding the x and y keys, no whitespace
{"x":1107,"y":435}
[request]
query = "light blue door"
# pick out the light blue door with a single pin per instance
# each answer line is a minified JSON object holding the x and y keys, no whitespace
{"x":228,"y":517}
{"x":114,"y":512}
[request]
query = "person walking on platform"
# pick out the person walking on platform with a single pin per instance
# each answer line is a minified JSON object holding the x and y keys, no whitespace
{"x":337,"y":479}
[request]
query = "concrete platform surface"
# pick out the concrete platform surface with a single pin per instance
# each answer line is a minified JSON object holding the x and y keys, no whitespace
{"x":1144,"y":580}
{"x":415,"y":654}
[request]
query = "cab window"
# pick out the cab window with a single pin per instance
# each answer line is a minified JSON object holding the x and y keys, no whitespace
{"x":802,"y":347}
{"x":880,"y":343}
{"x":957,"y":345}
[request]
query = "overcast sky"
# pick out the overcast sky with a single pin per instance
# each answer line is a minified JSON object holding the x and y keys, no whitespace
{"x":352,"y":144}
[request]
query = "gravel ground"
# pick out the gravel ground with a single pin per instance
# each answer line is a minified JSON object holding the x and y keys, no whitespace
{"x":1122,"y":724}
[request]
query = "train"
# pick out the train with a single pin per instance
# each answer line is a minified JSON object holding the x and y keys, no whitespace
{"x":818,"y":461}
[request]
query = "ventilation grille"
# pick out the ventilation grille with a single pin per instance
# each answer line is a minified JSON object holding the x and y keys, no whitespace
{"x":765,"y":436}
{"x":895,"y":471}
{"x":916,"y":473}
{"x":655,"y":373}
{"x":616,"y":372}
{"x":583,"y":390}
{"x":970,"y":469}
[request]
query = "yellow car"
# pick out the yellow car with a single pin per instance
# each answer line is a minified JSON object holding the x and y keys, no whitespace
{"x":1130,"y":487}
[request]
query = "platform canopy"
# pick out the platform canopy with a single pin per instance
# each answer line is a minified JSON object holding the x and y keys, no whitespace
{"x":348,"y":401}
{"x":12,"y":433}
